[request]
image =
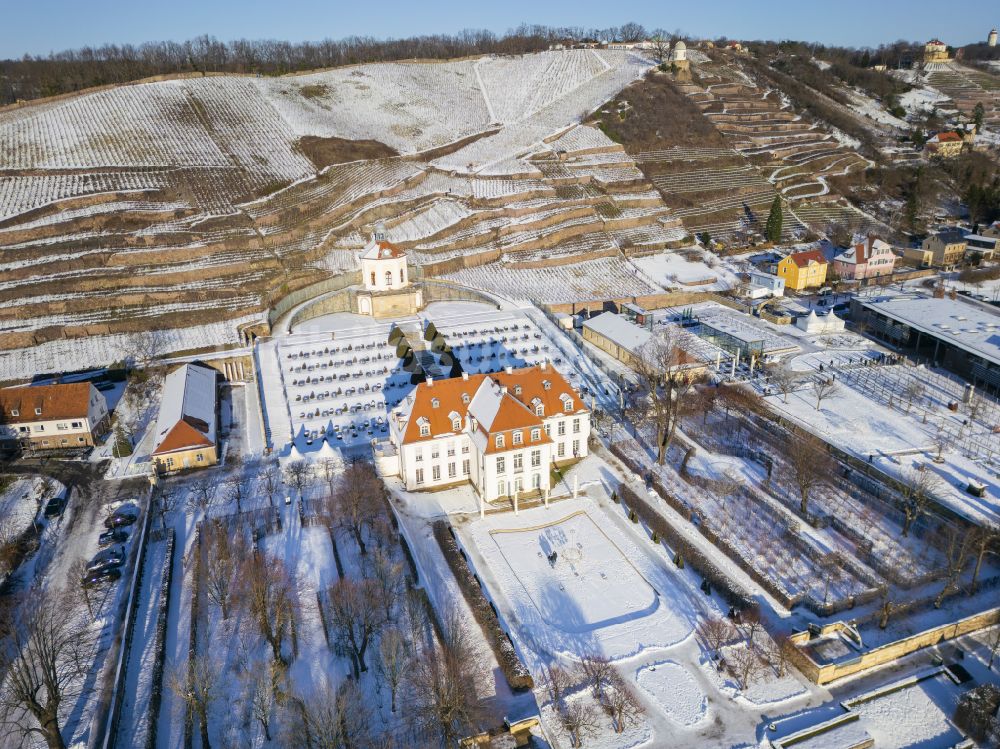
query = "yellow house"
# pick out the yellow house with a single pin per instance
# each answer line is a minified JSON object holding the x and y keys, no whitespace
{"x":947,"y":248}
{"x":186,"y":435}
{"x":803,"y":270}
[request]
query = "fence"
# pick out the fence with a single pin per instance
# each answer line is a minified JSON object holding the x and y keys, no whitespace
{"x":160,"y":646}
{"x":297,"y":297}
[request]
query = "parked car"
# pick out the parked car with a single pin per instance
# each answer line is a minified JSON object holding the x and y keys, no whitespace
{"x":98,"y":576}
{"x":111,"y":537}
{"x":111,"y":557}
{"x":121,"y":517}
{"x":55,"y":506}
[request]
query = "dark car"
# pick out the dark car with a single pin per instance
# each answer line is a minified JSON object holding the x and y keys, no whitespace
{"x":111,"y":537}
{"x":55,"y":506}
{"x":98,"y":576}
{"x":112,"y":557}
{"x":121,"y":517}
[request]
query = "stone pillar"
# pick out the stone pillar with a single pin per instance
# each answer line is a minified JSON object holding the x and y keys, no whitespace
{"x":482,"y":506}
{"x":546,"y":499}
{"x":576,"y":486}
{"x":516,"y":494}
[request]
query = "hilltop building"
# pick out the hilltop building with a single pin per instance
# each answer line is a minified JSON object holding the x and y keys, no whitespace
{"x":991,"y":40}
{"x":946,"y":145}
{"x":186,"y":428}
{"x":500,"y":432}
{"x":935,"y":51}
{"x":52,"y":417}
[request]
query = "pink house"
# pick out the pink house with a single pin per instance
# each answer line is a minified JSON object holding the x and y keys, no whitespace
{"x":867,"y":259}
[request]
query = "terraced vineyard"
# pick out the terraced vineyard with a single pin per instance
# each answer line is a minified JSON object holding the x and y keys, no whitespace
{"x":171,"y":204}
{"x":967,"y":87}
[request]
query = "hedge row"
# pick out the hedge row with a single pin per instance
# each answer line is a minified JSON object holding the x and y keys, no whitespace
{"x":677,"y":505}
{"x":160,"y":648}
{"x":513,"y":669}
{"x":691,"y":554}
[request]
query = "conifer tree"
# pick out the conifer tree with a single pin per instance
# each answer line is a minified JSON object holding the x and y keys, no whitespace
{"x":774,"y":220}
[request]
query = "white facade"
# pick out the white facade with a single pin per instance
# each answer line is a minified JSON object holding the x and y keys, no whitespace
{"x":765,"y":285}
{"x":383,"y":267}
{"x":471,"y":442}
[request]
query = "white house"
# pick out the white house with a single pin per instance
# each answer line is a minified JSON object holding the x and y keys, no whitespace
{"x":765,"y":285}
{"x":186,"y":434}
{"x":500,"y":432}
{"x":52,"y":417}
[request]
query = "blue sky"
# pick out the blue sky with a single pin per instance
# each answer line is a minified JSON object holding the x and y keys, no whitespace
{"x":41,"y":26}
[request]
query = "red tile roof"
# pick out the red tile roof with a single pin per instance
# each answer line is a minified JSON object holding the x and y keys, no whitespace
{"x":183,"y":436}
{"x":948,"y":137}
{"x":69,"y":400}
{"x":802,"y":259}
{"x":526,"y":388}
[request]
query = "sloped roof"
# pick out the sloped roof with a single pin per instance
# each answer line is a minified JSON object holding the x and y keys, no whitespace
{"x":948,"y":137}
{"x":861,"y":252}
{"x":187,"y":410}
{"x":802,"y":259}
{"x":61,"y":401}
{"x":494,"y":410}
{"x":380,"y":250}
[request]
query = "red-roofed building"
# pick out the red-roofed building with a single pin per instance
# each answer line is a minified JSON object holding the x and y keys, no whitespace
{"x":945,"y":145}
{"x":500,"y":432}
{"x":52,"y":417}
{"x":803,"y":270}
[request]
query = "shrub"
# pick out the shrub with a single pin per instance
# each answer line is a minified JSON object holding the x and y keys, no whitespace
{"x":513,"y":668}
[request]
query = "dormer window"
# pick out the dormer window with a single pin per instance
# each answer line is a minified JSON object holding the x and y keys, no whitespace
{"x":456,"y":425}
{"x":546,"y":385}
{"x":517,"y":390}
{"x":518,"y":439}
{"x":38,"y":412}
{"x":536,"y":435}
{"x":14,"y":412}
{"x":567,"y":403}
{"x":499,"y":440}
{"x":425,"y":426}
{"x":539,"y":410}
{"x":435,"y":402}
{"x":465,"y":398}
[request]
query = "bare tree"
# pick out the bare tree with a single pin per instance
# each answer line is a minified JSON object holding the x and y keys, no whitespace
{"x":355,"y":617}
{"x":203,"y":491}
{"x":918,"y":485}
{"x":779,"y":649}
{"x":299,"y":475}
{"x":661,"y":47}
{"x":993,"y":643}
{"x":942,"y":441}
{"x":270,"y":478}
{"x":957,"y":547}
{"x":394,"y":660}
{"x":751,"y":620}
{"x":388,"y":575}
{"x":744,"y":666}
{"x":811,"y":465}
{"x":783,"y":378}
{"x":823,"y":388}
{"x":44,"y":656}
{"x":358,"y":501}
{"x":913,"y":390}
{"x":225,"y":553}
{"x":598,"y":671}
{"x":167,"y":499}
{"x":260,"y":695}
{"x":267,"y":589}
{"x":330,"y":470}
{"x":620,"y":702}
{"x":579,"y":719}
{"x":985,"y":537}
{"x":665,"y":373}
{"x":196,"y":685}
{"x":441,"y":692}
{"x":239,"y":484}
{"x":556,"y":680}
{"x":715,"y":632}
{"x":328,"y":718}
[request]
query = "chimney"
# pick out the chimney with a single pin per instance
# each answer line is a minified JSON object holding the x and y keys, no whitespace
{"x":509,"y":369}
{"x":465,"y":375}
{"x":503,"y":390}
{"x":429,"y":381}
{"x":544,"y":365}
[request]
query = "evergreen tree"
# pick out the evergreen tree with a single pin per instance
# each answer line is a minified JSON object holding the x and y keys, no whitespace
{"x":977,"y":116}
{"x":774,"y":220}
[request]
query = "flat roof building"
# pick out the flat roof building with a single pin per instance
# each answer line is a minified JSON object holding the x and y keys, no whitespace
{"x":963,"y":336}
